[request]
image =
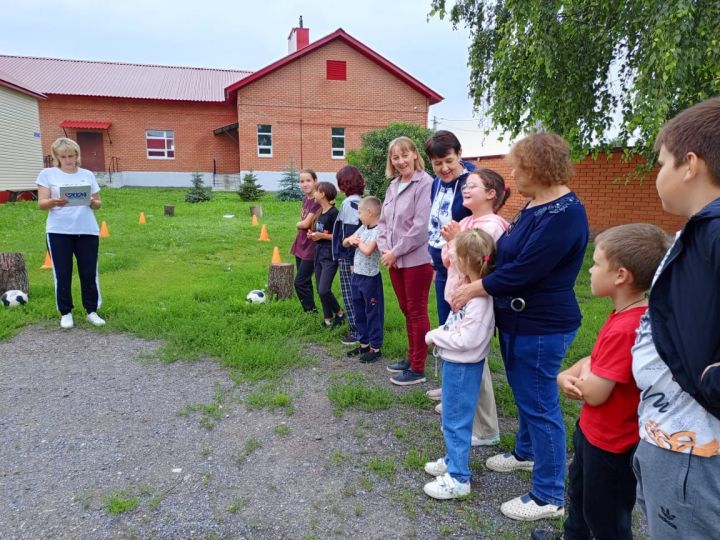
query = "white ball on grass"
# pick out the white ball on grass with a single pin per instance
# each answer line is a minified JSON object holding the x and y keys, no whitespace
{"x":13,"y":298}
{"x":256,"y":296}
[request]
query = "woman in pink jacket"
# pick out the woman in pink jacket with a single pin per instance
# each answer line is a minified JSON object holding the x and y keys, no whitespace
{"x":402,"y":240}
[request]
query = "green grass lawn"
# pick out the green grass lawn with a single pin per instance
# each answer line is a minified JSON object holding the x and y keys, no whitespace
{"x":184,"y":279}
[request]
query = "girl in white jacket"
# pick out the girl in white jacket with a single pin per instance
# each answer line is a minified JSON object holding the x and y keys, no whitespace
{"x":463,"y":342}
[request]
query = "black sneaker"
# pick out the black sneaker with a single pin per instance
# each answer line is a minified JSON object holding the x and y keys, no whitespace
{"x":399,"y":367}
{"x":370,"y":356}
{"x":338,"y":320}
{"x":349,"y":340}
{"x":542,"y":534}
{"x":408,"y":377}
{"x":357,"y":351}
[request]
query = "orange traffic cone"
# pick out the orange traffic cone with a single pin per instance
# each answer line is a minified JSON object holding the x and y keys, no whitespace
{"x":264,"y":234}
{"x":104,"y":233}
{"x":254,"y":221}
{"x":276,"y":256}
{"x":48,"y":261}
{"x":142,"y":221}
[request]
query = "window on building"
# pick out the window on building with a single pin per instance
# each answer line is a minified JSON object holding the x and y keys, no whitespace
{"x":160,"y":144}
{"x":336,"y":70}
{"x":338,"y":143}
{"x":264,"y":138}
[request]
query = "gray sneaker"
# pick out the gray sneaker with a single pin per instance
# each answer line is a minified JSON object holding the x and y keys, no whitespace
{"x":408,"y":377}
{"x":399,"y":367}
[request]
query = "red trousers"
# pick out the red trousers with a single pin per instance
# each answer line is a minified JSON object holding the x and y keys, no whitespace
{"x":412,"y":288}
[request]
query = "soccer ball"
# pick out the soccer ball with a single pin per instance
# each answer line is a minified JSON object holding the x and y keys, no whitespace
{"x":256,"y":297}
{"x":13,"y":298}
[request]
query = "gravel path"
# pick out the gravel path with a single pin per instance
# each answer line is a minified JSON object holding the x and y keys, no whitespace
{"x":89,"y":416}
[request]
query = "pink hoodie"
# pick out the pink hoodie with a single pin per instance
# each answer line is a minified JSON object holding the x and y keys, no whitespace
{"x":492,"y":224}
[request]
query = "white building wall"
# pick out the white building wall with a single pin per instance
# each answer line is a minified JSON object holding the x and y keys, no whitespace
{"x":21,"y":157}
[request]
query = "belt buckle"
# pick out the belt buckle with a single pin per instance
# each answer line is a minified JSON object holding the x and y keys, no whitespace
{"x":517,"y":304}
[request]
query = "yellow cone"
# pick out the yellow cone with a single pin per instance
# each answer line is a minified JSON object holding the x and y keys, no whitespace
{"x":276,"y":256}
{"x":142,"y":221}
{"x":254,"y":221}
{"x":264,"y":237}
{"x":104,"y":233}
{"x":48,"y":261}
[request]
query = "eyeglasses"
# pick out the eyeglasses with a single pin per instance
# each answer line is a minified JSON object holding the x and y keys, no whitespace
{"x":473,"y":186}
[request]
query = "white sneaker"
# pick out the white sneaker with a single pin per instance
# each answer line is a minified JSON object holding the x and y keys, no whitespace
{"x":436,"y":468}
{"x":507,"y":463}
{"x":490,"y":441}
{"x":94,"y":318}
{"x":525,"y":509}
{"x":438,"y":408}
{"x":66,"y":321}
{"x":435,"y":394}
{"x":446,"y":487}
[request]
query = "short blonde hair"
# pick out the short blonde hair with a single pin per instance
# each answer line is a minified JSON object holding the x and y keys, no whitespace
{"x":64,"y":144}
{"x":373,"y":204}
{"x":544,"y":157}
{"x":639,"y":247}
{"x":403,"y":144}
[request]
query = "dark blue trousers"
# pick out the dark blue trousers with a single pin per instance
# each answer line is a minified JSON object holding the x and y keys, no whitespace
{"x":443,"y":308}
{"x":369,"y":304}
{"x":84,"y":247}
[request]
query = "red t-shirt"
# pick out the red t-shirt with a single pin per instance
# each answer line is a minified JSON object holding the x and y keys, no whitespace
{"x":613,"y":426}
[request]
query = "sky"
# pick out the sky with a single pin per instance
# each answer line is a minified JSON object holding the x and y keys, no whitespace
{"x":250,"y":35}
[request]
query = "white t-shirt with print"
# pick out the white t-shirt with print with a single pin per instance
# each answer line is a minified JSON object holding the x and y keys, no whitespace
{"x":69,"y":219}
{"x":669,"y":417}
{"x":441,"y":213}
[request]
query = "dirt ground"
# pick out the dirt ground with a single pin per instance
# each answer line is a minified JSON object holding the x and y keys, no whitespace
{"x":102,"y":440}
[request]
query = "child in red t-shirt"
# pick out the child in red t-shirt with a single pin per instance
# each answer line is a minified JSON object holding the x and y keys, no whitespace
{"x":602,"y":482}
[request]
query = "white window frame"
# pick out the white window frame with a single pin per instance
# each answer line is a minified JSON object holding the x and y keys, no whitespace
{"x":333,"y":149}
{"x":150,"y":134}
{"x":264,"y":146}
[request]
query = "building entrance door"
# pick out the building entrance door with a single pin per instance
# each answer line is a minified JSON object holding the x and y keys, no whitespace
{"x":92,"y":153}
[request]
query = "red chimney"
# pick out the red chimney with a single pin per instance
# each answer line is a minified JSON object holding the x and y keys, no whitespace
{"x":299,"y":38}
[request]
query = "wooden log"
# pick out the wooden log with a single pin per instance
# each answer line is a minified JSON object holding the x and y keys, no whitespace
{"x":256,"y":210}
{"x":280,"y":280}
{"x":13,"y":273}
{"x":169,"y":210}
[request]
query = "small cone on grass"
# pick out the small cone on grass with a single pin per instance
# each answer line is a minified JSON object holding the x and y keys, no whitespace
{"x":276,"y":256}
{"x":142,"y":221}
{"x":264,"y":237}
{"x":254,"y":221}
{"x":104,"y":233}
{"x":48,"y":261}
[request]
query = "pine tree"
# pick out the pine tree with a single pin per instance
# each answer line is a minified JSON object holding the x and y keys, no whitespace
{"x":289,"y":185}
{"x":198,"y":193}
{"x":249,"y":189}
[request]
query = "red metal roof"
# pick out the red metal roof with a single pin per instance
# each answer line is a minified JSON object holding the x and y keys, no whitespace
{"x":84,"y":124}
{"x":9,"y":81}
{"x":340,"y":34}
{"x":111,"y":79}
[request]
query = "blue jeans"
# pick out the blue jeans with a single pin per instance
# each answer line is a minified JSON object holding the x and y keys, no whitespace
{"x":443,"y":308}
{"x":460,"y":393}
{"x":532,"y":368}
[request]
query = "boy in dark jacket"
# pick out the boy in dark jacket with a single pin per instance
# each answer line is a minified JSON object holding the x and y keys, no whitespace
{"x":676,"y":358}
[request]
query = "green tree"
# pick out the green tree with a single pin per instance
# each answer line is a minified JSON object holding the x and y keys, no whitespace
{"x":371,"y":157}
{"x":249,"y":189}
{"x":198,"y":193}
{"x":289,"y":184}
{"x":577,"y":67}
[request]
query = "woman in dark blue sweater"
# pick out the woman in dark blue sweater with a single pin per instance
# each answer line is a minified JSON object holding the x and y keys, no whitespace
{"x":537,"y":315}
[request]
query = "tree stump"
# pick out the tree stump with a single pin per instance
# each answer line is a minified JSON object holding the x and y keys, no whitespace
{"x":280,"y":280}
{"x":169,"y":210}
{"x":13,"y":274}
{"x":256,"y":211}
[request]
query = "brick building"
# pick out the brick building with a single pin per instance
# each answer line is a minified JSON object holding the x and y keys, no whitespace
{"x":612,"y":193}
{"x":154,"y":125}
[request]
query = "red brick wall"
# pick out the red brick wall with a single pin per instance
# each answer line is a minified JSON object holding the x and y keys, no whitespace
{"x":193,"y":124}
{"x":302,"y":106}
{"x":601,"y":186}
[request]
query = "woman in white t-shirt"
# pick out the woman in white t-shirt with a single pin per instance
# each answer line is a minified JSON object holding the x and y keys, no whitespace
{"x":71,"y":230}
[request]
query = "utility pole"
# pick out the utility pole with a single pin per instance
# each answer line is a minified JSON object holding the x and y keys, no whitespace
{"x":434,"y":123}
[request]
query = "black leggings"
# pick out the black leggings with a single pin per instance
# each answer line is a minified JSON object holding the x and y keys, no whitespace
{"x":325,"y":270}
{"x":85,"y":249}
